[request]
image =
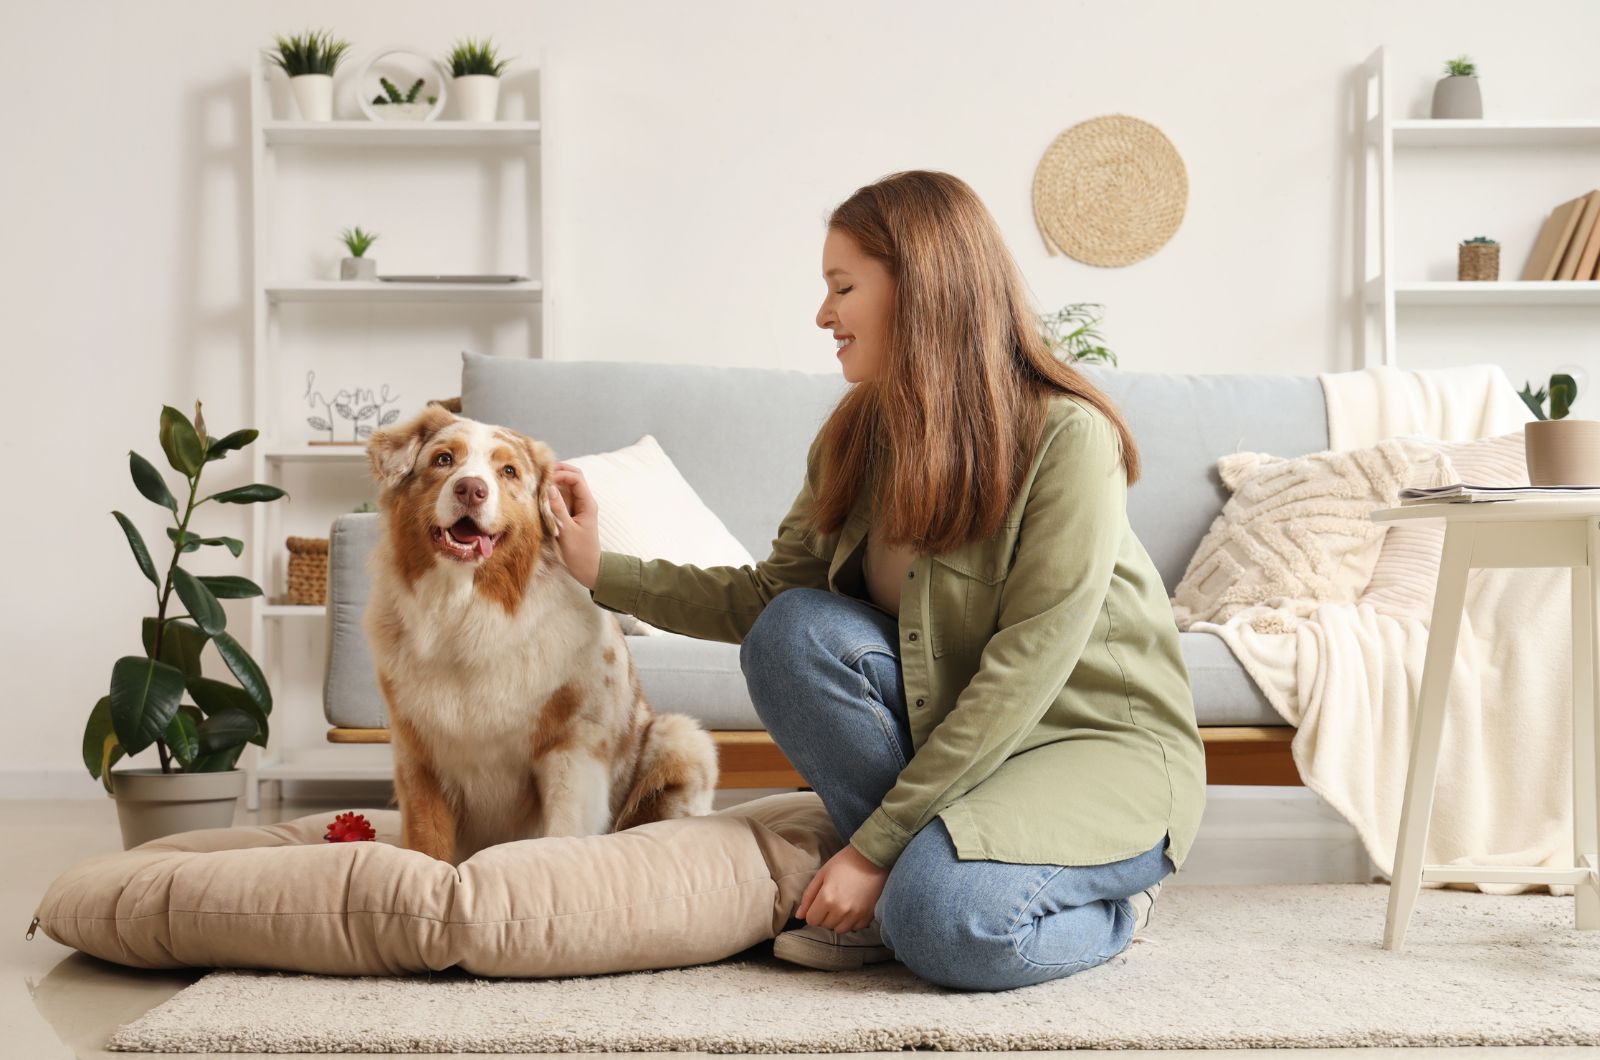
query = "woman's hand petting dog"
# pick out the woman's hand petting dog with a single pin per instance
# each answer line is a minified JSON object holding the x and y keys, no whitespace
{"x":844,"y":892}
{"x":579,"y":539}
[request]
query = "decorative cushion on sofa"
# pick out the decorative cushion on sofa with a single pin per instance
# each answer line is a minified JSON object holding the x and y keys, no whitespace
{"x":648,"y":509}
{"x":1295,"y":528}
{"x":1408,"y":563}
{"x":660,"y":895}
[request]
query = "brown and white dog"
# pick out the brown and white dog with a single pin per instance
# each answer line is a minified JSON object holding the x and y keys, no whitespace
{"x":514,"y":705}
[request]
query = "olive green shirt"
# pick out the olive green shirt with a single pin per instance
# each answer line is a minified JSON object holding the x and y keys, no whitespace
{"x":1050,"y":708}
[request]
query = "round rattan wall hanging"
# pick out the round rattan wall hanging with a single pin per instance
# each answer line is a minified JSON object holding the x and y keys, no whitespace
{"x":1110,"y":191}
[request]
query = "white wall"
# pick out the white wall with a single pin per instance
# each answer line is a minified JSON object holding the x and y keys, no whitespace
{"x":695,"y":149}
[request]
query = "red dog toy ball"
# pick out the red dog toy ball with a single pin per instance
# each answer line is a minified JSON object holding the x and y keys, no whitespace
{"x":350,"y":828}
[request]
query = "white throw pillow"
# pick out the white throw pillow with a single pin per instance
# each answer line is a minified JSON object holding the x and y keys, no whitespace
{"x":648,"y":509}
{"x":1295,"y":527}
{"x":1408,"y":563}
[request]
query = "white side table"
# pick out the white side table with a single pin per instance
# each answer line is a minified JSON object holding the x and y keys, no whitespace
{"x":1561,"y":532}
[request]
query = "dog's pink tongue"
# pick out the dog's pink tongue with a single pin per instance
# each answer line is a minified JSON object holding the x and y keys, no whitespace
{"x":485,"y":545}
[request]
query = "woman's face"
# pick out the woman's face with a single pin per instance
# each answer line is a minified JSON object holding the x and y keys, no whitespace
{"x":858,"y":305}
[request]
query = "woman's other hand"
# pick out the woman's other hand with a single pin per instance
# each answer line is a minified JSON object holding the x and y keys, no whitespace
{"x":579,"y":539}
{"x":844,"y":893}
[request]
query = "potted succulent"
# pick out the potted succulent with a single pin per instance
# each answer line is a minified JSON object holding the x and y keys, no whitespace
{"x":357,"y":266}
{"x":1560,"y":451}
{"x":1070,"y":333}
{"x":1456,"y":95}
{"x":310,"y":59}
{"x":475,"y":69}
{"x":1478,"y":258}
{"x":197,"y":784}
{"x":392,"y":104}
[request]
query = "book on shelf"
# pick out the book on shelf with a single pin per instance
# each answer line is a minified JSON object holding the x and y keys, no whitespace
{"x":1466,"y":493}
{"x":1554,"y":239}
{"x":1580,"y":239}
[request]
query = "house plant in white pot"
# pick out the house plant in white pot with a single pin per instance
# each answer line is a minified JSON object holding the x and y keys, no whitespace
{"x":1560,"y":450}
{"x":1456,"y":95}
{"x":358,"y":266}
{"x":475,"y":69}
{"x":197,"y":784}
{"x":310,"y":60}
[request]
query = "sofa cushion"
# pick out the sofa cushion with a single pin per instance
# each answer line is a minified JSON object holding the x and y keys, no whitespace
{"x":1183,"y":424}
{"x":738,"y":435}
{"x":659,"y":895}
{"x":1403,"y":579}
{"x":1295,"y":528}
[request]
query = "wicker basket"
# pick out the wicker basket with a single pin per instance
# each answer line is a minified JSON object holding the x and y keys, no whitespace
{"x":308,"y":570}
{"x":1479,"y":261}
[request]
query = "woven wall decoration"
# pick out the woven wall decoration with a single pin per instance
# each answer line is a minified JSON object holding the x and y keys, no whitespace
{"x":1110,"y":191}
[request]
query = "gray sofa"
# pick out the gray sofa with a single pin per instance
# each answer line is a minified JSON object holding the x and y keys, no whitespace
{"x":739,"y":436}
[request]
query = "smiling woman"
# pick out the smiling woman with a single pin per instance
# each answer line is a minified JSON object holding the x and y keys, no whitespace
{"x":1008,"y":744}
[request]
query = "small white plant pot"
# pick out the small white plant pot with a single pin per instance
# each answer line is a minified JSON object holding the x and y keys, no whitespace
{"x":313,"y":95}
{"x":480,"y":96}
{"x":358,"y":269}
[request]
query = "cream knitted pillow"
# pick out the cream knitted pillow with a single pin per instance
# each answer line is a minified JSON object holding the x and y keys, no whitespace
{"x":1296,"y":528}
{"x":1408,"y":562}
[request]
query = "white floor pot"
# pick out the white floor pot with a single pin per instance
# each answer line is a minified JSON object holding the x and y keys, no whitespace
{"x":1564,"y":452}
{"x":152,"y":804}
{"x":313,"y":94}
{"x":479,"y":95}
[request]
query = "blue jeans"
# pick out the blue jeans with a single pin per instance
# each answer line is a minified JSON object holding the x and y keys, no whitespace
{"x":824,"y":674}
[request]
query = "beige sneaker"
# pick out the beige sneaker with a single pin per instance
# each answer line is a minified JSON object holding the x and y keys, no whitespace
{"x":1142,"y":903}
{"x":831,"y":951}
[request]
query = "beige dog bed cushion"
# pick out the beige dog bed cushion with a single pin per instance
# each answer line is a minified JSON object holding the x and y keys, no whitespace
{"x":660,"y":895}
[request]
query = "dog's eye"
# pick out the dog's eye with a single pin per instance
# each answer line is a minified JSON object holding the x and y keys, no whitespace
{"x":510,"y":471}
{"x":442,"y":460}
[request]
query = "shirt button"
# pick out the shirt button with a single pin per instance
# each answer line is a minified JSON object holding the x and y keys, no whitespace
{"x":911,"y":574}
{"x":919,"y":702}
{"x":913,"y":636}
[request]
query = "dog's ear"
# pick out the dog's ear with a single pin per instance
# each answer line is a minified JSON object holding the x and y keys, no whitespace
{"x":543,"y":459}
{"x":393,"y":451}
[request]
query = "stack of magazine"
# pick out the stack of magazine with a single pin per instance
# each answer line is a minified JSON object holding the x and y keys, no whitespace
{"x":1462,"y":492}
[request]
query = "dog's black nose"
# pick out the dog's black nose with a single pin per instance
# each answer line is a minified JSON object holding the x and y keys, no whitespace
{"x":472,"y":491}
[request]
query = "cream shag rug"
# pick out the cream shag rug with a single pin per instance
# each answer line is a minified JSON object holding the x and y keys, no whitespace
{"x":1218,"y":967}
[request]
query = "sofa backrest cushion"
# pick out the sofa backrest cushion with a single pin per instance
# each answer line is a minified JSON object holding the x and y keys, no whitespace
{"x":738,"y":435}
{"x":1182,"y":424}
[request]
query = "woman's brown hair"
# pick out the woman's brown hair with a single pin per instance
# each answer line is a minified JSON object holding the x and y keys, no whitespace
{"x":958,"y":406}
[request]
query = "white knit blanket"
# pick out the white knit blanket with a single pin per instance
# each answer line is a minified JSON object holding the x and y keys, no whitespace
{"x":1346,"y":675}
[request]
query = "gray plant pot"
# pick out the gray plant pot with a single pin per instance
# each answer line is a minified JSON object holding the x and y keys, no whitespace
{"x":358,"y":269}
{"x":152,"y":804}
{"x":1457,"y":97}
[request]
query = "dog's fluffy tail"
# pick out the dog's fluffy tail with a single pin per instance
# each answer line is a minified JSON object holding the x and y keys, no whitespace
{"x":676,"y":774}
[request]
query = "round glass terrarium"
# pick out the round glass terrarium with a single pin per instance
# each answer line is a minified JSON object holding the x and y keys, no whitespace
{"x":400,"y":84}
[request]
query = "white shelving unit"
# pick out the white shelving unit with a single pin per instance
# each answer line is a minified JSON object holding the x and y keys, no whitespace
{"x":1383,"y":293}
{"x":277,"y":449}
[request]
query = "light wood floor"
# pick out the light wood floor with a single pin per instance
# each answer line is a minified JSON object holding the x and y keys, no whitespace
{"x":63,"y":1004}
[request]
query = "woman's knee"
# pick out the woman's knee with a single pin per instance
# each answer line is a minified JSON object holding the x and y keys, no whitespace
{"x":936,"y":924}
{"x":948,"y":930}
{"x":775,"y":654}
